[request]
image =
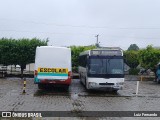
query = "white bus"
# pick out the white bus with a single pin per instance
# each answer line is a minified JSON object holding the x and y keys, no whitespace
{"x":102,"y":68}
{"x":52,"y":66}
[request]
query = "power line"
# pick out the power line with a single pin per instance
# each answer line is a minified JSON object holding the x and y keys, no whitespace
{"x":85,"y":26}
{"x":133,"y":37}
{"x":80,"y":34}
{"x":45,"y":32}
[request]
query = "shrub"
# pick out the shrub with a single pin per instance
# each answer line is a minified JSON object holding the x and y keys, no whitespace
{"x":133,"y":71}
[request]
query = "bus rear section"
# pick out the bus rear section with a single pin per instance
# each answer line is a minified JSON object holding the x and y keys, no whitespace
{"x":52,"y":66}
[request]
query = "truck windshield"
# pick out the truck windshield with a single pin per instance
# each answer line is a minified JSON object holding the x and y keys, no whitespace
{"x":106,"y":66}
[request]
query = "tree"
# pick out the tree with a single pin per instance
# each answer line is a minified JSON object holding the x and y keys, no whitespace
{"x":76,"y":50}
{"x":133,"y":47}
{"x":21,"y":51}
{"x":149,"y":57}
{"x":131,"y":58}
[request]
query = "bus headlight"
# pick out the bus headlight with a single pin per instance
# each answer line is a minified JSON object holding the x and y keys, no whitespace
{"x":92,"y":84}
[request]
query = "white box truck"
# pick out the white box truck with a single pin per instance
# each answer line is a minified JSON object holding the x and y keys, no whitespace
{"x":52,"y":66}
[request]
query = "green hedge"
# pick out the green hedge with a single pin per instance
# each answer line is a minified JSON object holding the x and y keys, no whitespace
{"x":75,"y":69}
{"x":133,"y":71}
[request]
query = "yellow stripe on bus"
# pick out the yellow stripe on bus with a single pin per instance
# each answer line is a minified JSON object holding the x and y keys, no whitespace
{"x":53,"y":70}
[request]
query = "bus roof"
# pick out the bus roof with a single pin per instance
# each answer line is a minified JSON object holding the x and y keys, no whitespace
{"x":109,"y":48}
{"x":106,"y":50}
{"x":41,"y":47}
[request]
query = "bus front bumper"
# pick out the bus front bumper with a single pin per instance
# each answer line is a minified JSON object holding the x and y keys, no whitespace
{"x":93,"y":85}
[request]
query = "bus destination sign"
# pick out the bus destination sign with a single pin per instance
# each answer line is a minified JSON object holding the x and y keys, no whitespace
{"x":106,"y":52}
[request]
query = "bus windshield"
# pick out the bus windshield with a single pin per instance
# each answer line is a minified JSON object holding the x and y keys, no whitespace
{"x":106,"y":66}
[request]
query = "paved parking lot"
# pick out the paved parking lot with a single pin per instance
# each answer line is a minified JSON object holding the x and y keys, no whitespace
{"x":77,"y":98}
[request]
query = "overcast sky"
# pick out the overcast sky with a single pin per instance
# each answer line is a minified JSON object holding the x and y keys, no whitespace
{"x":76,"y":22}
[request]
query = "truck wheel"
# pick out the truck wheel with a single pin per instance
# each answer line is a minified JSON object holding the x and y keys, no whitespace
{"x":40,"y":86}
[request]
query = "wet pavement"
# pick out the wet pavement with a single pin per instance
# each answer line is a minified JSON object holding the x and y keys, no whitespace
{"x":78,"y":99}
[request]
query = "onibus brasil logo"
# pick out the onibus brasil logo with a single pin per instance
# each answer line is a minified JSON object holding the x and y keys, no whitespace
{"x":21,"y":114}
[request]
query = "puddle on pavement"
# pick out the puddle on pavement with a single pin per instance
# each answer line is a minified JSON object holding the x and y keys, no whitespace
{"x":75,"y":95}
{"x":17,"y":78}
{"x":52,"y":91}
{"x":99,"y":93}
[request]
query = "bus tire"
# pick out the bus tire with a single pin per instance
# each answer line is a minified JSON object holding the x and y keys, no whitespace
{"x":66,"y":87}
{"x":40,"y":86}
{"x":80,"y":79}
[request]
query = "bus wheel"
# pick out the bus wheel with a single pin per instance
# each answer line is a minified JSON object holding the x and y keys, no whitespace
{"x":80,"y":79}
{"x":66,"y":87}
{"x":40,"y":86}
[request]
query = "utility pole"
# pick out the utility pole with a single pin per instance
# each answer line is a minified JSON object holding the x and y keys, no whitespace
{"x":97,"y":44}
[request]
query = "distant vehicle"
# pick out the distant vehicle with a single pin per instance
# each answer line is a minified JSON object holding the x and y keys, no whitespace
{"x":158,"y":73}
{"x":52,"y":66}
{"x":3,"y":71}
{"x":142,"y":71}
{"x":102,"y":68}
